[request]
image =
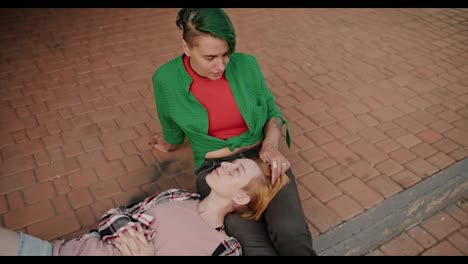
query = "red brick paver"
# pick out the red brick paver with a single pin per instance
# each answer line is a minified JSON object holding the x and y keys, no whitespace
{"x":443,"y":234}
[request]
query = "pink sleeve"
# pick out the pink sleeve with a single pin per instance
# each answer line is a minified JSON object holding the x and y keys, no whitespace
{"x":91,"y":246}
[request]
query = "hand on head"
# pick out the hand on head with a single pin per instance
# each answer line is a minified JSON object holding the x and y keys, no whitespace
{"x":273,"y":157}
{"x":260,"y":190}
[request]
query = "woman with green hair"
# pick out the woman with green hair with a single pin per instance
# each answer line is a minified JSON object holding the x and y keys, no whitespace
{"x":218,"y":99}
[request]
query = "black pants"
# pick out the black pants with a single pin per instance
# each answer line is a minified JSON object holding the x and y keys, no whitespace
{"x":282,"y":230}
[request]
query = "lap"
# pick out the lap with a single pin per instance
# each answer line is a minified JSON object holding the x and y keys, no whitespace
{"x":275,"y":232}
{"x":253,"y":236}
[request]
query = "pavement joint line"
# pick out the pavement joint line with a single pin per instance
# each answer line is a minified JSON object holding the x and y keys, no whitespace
{"x":396,"y":214}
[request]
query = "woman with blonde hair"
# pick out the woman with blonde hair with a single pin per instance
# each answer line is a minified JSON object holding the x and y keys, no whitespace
{"x":174,"y":222}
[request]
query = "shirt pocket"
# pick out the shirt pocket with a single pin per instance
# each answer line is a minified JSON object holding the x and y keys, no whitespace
{"x":258,"y":115}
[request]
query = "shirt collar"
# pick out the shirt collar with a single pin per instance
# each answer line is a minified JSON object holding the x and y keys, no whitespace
{"x":187,"y":79}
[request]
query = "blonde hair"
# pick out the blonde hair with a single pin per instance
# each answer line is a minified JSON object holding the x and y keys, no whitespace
{"x":261,"y":192}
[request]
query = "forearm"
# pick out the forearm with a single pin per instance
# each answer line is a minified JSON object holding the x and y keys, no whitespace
{"x":270,"y":153}
{"x":272,"y":132}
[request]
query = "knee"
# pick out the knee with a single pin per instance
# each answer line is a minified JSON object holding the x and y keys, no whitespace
{"x":293,"y":240}
{"x":290,"y":231}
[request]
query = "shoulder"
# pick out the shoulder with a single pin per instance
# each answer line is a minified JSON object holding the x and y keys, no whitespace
{"x":229,"y":247}
{"x":167,"y":69}
{"x":243,"y":62}
{"x":242,"y":57}
{"x":174,"y":195}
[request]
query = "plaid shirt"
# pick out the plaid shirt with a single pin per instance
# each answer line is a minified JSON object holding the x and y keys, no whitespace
{"x":116,"y":218}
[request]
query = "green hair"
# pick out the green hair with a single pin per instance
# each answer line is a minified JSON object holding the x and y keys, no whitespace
{"x":215,"y":22}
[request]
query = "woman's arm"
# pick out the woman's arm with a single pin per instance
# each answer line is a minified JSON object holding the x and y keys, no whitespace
{"x":270,"y":153}
{"x":172,"y":136}
{"x":273,"y":132}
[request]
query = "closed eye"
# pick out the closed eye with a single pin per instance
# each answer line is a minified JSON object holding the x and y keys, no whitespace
{"x":234,"y":172}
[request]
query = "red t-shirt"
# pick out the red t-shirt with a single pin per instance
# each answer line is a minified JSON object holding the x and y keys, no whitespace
{"x":224,"y":118}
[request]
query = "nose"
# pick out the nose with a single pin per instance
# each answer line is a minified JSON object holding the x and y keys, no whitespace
{"x":226,"y":166}
{"x":220,"y":64}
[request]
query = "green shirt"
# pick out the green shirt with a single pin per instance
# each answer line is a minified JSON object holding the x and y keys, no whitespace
{"x":181,"y":115}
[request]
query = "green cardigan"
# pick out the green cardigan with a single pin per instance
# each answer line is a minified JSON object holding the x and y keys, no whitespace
{"x":181,"y":115}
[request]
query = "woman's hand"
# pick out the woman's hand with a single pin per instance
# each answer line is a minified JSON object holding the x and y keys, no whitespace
{"x":271,"y":155}
{"x":160,"y":144}
{"x":134,"y":242}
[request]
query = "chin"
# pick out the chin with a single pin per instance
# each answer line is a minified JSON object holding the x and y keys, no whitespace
{"x":215,"y":77}
{"x":208,"y":179}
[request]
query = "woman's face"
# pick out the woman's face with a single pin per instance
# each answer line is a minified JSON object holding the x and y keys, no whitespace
{"x":230,"y":177}
{"x":208,"y":56}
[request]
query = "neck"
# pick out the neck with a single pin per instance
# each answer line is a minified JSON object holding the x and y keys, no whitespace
{"x":213,"y":210}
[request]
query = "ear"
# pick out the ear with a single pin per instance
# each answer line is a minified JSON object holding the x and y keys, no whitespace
{"x":186,"y":48}
{"x":241,"y":198}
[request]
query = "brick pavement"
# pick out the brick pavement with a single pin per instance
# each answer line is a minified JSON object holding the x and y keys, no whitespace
{"x":443,"y":234}
{"x":376,"y":99}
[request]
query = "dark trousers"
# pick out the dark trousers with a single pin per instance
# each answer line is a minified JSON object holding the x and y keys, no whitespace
{"x":282,"y":230}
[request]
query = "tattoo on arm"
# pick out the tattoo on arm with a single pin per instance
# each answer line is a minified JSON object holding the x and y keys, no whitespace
{"x":278,"y":123}
{"x":272,"y":135}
